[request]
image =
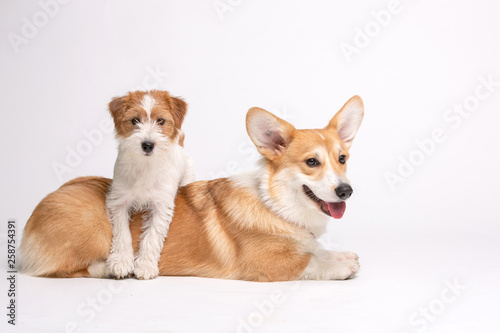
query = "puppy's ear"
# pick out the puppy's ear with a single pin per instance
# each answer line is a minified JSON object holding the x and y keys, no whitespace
{"x":270,"y":134}
{"x":179,"y":110}
{"x":347,"y":121}
{"x":117,"y":109}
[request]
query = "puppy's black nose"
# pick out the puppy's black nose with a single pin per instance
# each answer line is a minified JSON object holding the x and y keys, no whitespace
{"x":343,"y":191}
{"x":147,"y":146}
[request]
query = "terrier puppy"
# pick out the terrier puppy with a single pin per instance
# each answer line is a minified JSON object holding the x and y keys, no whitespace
{"x":151,"y":165}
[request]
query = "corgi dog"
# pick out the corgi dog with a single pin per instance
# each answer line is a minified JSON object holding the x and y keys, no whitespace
{"x":150,"y":166}
{"x":257,"y":226}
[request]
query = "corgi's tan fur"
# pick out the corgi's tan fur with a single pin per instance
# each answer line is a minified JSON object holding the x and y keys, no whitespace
{"x":259,"y":226}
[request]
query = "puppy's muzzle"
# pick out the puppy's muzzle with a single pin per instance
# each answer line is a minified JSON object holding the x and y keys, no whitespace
{"x":147,"y":147}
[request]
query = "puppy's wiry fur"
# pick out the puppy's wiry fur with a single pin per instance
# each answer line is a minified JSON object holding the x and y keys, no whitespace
{"x":258,"y":226}
{"x":150,"y":166}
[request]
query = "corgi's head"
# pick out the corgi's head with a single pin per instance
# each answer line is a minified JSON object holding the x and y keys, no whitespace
{"x":306,"y":169}
{"x":147,"y":121}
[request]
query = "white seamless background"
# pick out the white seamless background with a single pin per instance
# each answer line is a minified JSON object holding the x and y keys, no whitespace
{"x":425,"y":206}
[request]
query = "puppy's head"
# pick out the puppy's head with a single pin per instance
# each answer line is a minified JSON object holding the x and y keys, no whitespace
{"x":307,"y":168}
{"x":146,"y":122}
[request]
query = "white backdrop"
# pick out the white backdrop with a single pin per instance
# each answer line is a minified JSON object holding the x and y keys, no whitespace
{"x":424,"y":164}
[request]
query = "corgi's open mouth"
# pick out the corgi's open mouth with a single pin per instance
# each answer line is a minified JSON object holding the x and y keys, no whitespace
{"x":333,"y":209}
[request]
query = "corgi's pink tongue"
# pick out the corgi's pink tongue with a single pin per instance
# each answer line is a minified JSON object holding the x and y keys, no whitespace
{"x":336,"y":209}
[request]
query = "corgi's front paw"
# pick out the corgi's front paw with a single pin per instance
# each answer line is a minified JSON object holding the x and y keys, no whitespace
{"x":347,"y":268}
{"x":346,"y":265}
{"x":145,"y":269}
{"x":346,"y":255}
{"x":121,"y":265}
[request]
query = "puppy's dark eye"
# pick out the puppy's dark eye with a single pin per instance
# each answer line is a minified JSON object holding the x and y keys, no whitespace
{"x":135,"y":121}
{"x":312,"y":162}
{"x":160,"y":121}
{"x":342,"y":159}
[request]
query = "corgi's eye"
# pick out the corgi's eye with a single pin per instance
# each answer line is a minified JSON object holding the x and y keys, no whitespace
{"x":342,"y":159}
{"x":160,"y":121}
{"x":135,"y":121}
{"x":312,"y":162}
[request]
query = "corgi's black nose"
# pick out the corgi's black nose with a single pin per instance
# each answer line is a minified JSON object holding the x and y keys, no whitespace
{"x":148,"y":146}
{"x":343,"y":191}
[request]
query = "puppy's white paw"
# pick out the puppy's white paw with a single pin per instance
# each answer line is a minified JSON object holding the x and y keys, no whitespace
{"x":145,"y":269}
{"x":121,"y":265}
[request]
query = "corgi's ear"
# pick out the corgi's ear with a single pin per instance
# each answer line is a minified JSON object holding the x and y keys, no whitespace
{"x":347,"y":121}
{"x":270,"y":134}
{"x":117,"y":108}
{"x":179,"y":111}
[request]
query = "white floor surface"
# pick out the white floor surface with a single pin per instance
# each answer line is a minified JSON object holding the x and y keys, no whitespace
{"x":408,"y":283}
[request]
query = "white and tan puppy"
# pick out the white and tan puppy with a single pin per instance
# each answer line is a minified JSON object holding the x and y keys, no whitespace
{"x":150,"y":167}
{"x":258,"y":226}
